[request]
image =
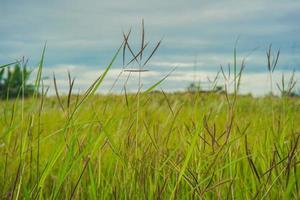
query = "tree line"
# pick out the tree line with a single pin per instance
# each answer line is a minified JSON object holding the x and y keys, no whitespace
{"x":14,"y":81}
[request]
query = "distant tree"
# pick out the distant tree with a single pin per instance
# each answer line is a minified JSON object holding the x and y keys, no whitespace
{"x":219,"y":88}
{"x":194,"y":87}
{"x":13,"y":82}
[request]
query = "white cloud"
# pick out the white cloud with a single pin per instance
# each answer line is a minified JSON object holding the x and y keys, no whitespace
{"x":255,"y":83}
{"x":86,"y":75}
{"x":173,"y":64}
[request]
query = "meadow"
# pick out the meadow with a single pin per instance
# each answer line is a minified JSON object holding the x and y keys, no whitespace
{"x":183,"y":146}
{"x":150,"y":144}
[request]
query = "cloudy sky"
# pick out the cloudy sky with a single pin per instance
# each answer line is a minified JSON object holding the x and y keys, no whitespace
{"x":198,"y":36}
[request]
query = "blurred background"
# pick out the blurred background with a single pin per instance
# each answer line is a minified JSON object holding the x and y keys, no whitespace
{"x":197,"y":38}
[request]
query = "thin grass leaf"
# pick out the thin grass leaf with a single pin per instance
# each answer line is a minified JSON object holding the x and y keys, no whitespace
{"x":9,"y":64}
{"x":159,"y":82}
{"x":143,"y":41}
{"x":152,"y":53}
{"x":39,"y":73}
{"x":57,"y":94}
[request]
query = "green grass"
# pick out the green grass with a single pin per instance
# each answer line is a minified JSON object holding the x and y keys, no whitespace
{"x":187,"y":145}
{"x":150,"y":145}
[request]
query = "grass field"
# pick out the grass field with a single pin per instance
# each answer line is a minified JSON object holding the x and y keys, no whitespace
{"x":150,"y":145}
{"x":181,"y":145}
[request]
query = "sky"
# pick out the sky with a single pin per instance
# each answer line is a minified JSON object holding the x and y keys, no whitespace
{"x":198,"y":37}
